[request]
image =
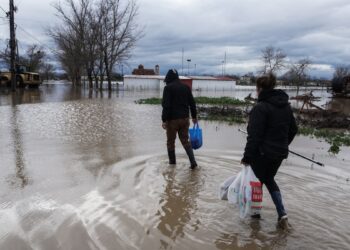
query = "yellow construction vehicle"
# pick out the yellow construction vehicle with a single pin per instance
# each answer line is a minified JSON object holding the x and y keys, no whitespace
{"x":23,"y":78}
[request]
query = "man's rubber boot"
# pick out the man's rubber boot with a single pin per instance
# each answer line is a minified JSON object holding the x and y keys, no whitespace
{"x":172,"y":157}
{"x":189,"y":152}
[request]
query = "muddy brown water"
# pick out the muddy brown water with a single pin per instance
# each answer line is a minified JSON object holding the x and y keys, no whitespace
{"x":83,"y":170}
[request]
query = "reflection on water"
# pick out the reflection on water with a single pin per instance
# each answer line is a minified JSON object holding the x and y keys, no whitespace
{"x":18,"y":150}
{"x":58,"y":93}
{"x":178,"y":203}
{"x":260,"y":239}
{"x":99,"y":179}
{"x":66,"y":92}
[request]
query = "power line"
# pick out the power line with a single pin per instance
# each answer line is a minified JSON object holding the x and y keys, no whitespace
{"x":35,"y":39}
{"x":29,"y":19}
{"x":3,"y":10}
{"x":18,"y":4}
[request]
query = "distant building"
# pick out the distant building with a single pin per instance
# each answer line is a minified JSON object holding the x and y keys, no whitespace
{"x":247,"y":79}
{"x":148,"y":82}
{"x":210,"y":83}
{"x":146,"y":72}
{"x":157,"y":70}
{"x":198,"y":83}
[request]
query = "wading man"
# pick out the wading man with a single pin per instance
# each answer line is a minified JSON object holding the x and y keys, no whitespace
{"x":177,"y":103}
{"x":271,"y":128}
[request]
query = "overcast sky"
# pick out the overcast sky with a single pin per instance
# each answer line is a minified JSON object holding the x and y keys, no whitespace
{"x":206,"y":29}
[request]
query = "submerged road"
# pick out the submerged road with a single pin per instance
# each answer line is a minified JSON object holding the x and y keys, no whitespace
{"x":88,"y":170}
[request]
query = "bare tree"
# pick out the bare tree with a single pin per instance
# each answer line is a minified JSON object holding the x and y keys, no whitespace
{"x":70,"y":37}
{"x":341,"y":71}
{"x":95,"y":35}
{"x":273,"y":60}
{"x":119,"y":33}
{"x":298,"y":72}
{"x":47,"y":71}
{"x":69,"y":52}
{"x":339,"y":80}
{"x":5,"y":56}
{"x":33,"y":58}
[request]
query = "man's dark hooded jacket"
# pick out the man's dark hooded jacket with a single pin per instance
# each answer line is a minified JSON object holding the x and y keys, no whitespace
{"x":271,"y":127}
{"x":177,"y":99}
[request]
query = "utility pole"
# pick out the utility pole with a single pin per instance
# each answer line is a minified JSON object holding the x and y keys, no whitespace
{"x":224,"y":70}
{"x":182,"y":62}
{"x":188,"y":69}
{"x":12,"y":46}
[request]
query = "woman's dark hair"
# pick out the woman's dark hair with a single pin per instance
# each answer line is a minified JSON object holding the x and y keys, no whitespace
{"x":266,"y":82}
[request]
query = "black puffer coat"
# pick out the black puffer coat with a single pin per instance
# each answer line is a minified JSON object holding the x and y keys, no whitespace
{"x":271,"y":127}
{"x":177,"y":101}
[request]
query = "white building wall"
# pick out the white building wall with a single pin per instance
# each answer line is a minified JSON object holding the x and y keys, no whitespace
{"x":141,"y":83}
{"x":213,"y":85}
{"x":161,"y":85}
{"x":156,"y":83}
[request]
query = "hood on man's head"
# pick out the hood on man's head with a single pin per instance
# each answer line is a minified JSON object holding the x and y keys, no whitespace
{"x":171,"y":76}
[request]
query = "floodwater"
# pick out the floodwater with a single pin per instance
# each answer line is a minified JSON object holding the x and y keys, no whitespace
{"x":88,"y":170}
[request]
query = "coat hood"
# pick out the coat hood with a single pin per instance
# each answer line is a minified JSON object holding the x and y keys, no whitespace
{"x":275,"y":97}
{"x":171,"y":76}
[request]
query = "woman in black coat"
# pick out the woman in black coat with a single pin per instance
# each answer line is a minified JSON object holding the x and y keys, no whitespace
{"x":271,"y":129}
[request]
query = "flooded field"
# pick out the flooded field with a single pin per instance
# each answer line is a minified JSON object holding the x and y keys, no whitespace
{"x":87,"y":170}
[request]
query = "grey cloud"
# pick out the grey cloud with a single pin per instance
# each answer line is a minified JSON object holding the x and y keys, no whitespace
{"x":206,"y":29}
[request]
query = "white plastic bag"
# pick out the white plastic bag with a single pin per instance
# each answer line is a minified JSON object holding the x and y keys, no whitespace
{"x":250,"y":193}
{"x":233,"y":190}
{"x":224,"y":187}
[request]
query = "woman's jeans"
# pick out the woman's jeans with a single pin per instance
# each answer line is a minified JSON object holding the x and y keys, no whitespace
{"x":265,"y":170}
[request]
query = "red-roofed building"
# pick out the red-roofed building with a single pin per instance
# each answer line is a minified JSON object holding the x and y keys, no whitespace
{"x":146,"y":72}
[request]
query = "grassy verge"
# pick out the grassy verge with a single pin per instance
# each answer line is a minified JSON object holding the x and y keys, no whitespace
{"x":200,"y":100}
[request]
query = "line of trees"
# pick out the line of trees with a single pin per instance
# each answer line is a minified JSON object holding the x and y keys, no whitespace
{"x":93,"y":37}
{"x":275,"y":60}
{"x":341,"y":71}
{"x":341,"y":78}
{"x":34,"y":58}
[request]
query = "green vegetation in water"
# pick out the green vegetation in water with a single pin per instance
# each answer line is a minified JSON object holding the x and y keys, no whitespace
{"x":200,"y":100}
{"x":336,"y":139}
{"x":220,"y":101}
{"x":152,"y":101}
{"x":234,"y":119}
